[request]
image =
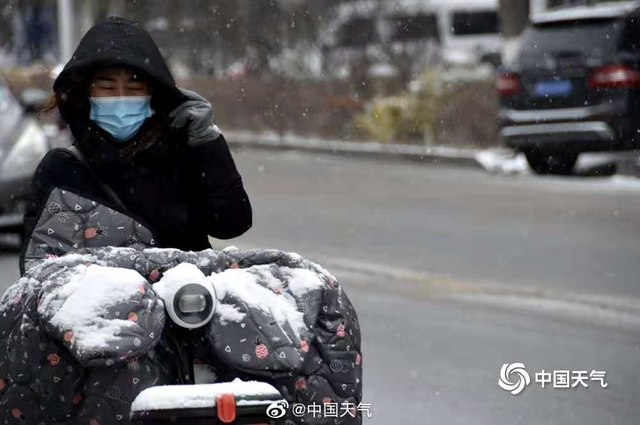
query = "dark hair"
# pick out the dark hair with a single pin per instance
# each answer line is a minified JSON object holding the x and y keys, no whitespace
{"x":70,"y":99}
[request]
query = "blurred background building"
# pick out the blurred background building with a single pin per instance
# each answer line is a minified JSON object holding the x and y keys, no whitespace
{"x":402,"y":70}
{"x":244,"y":36}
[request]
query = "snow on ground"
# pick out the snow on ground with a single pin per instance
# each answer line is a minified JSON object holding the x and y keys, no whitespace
{"x":503,"y":162}
{"x":626,"y":182}
{"x":591,"y":168}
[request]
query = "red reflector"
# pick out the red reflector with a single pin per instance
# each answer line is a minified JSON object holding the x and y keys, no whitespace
{"x":614,"y":76}
{"x":226,"y":408}
{"x":508,"y":84}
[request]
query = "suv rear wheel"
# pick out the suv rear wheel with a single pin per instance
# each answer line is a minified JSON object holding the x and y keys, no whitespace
{"x":551,"y":163}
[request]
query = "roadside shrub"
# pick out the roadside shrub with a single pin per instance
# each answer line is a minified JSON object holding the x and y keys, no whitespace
{"x":461,"y":113}
{"x":318,"y":109}
{"x":468,"y":116}
{"x":384,"y":118}
{"x":436,"y":111}
{"x":410,"y":116}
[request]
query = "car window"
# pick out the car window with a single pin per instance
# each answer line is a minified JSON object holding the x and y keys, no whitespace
{"x":417,"y":27}
{"x":358,"y":32}
{"x":470,"y":23}
{"x":590,"y":38}
{"x":630,"y":37}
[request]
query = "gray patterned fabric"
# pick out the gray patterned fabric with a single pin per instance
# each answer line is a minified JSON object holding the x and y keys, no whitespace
{"x":139,"y":318}
{"x":48,"y":375}
{"x":44,"y":377}
{"x":70,"y":222}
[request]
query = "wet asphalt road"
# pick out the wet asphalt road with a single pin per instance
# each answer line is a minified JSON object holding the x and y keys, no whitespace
{"x":571,"y":234}
{"x":455,"y":272}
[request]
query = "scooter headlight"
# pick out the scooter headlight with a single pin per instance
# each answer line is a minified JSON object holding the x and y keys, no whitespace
{"x":192,"y":303}
{"x":192,"y":306}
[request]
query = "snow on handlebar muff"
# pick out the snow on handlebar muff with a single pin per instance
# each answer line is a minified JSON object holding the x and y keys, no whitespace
{"x":189,"y":298}
{"x":238,"y":402}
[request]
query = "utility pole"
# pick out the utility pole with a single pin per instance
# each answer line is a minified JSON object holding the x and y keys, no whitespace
{"x":65,"y":29}
{"x":514,"y":17}
{"x":538,"y":6}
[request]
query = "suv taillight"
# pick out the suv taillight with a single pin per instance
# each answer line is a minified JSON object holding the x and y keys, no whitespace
{"x":508,"y":84}
{"x":614,"y":76}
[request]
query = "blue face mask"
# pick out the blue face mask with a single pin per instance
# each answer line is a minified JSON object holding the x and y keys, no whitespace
{"x":122,"y":116}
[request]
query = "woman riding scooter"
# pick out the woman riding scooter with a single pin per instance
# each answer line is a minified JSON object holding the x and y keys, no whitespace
{"x":84,"y":330}
{"x":141,"y":144}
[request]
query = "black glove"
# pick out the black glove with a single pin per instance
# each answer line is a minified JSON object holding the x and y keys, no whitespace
{"x":195,"y":117}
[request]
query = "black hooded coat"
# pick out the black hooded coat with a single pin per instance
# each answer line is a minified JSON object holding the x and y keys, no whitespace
{"x":182,"y":193}
{"x":84,"y":331}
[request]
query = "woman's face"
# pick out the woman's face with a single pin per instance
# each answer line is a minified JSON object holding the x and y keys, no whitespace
{"x":117,"y":82}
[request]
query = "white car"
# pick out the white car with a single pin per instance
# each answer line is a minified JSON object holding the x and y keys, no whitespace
{"x":411,"y":33}
{"x":23,"y":143}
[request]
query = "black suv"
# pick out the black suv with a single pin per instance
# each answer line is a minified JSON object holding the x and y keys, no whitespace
{"x":575,"y":87}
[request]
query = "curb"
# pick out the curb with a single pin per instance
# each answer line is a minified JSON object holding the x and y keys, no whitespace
{"x":423,"y":154}
{"x":496,"y":160}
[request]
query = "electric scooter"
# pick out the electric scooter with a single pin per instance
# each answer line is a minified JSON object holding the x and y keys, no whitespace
{"x":191,"y":306}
